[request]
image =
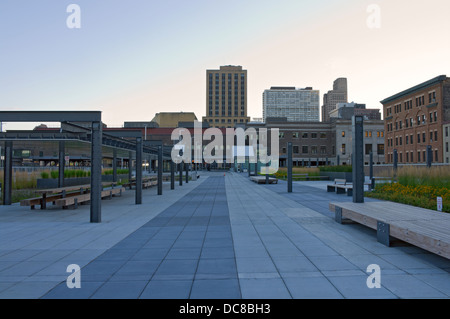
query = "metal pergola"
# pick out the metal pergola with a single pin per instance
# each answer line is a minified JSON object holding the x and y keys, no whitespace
{"x":117,"y":139}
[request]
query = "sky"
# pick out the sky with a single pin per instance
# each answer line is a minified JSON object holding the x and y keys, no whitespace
{"x":132,"y":59}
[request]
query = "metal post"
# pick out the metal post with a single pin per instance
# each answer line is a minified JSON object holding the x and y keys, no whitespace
{"x":114,"y":165}
{"x":429,"y":156}
{"x":181,"y":174}
{"x":160,"y":169}
{"x":267,"y":175}
{"x":289,"y":167}
{"x":187,"y":172}
{"x":62,"y":162}
{"x":96,"y":173}
{"x":338,"y":160}
{"x":358,"y":159}
{"x":138,"y":171}
{"x":7,"y":176}
{"x":372,"y":181}
{"x":172,"y":175}
{"x":130,"y":165}
{"x":395,"y":160}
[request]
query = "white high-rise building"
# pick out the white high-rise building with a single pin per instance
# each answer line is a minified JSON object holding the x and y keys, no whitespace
{"x":297,"y":105}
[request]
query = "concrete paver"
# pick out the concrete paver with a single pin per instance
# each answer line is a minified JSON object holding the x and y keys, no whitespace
{"x":220,"y":237}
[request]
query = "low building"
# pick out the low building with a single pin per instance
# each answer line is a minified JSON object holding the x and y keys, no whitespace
{"x":172,"y":119}
{"x":373,"y":141}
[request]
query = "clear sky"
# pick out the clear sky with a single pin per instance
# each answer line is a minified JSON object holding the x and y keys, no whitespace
{"x":132,"y":59}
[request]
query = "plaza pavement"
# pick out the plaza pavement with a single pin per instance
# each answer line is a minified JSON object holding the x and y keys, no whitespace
{"x":219,"y":237}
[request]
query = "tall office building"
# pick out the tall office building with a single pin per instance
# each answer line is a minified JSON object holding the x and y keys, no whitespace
{"x":337,"y":95}
{"x":226,"y":96}
{"x":297,"y":105}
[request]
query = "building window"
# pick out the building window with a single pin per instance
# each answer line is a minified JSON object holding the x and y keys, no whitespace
{"x":380,"y":149}
{"x":305,"y":135}
{"x":418,"y":156}
{"x":313,"y":149}
{"x":295,"y":135}
{"x":281,"y":135}
{"x":435,"y":136}
{"x":323,"y":135}
{"x":313,"y":135}
{"x":406,"y":139}
{"x":323,"y":150}
{"x":343,"y":133}
{"x":295,"y":149}
{"x":368,"y":149}
{"x":305,"y":149}
{"x":436,"y":156}
{"x":343,"y":149}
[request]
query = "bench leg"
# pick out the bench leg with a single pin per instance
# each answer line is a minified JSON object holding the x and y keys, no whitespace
{"x":331,"y":188}
{"x":338,"y":217}
{"x":383,"y":233}
{"x":340,"y":190}
{"x":350,"y":192}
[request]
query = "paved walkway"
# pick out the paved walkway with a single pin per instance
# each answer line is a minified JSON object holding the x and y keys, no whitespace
{"x":218,"y":237}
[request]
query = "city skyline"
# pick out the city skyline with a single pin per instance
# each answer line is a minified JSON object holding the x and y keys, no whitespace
{"x":131,"y":62}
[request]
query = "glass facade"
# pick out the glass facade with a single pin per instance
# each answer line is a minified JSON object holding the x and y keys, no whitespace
{"x":297,"y":105}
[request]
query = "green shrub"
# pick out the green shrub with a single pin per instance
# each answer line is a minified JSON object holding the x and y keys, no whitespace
{"x":340,"y":168}
{"x":44,"y":175}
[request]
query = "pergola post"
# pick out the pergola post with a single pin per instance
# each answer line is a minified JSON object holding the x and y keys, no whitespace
{"x":358,"y":159}
{"x":130,"y":165}
{"x":160,"y":169}
{"x":172,"y":175}
{"x":62,"y":163}
{"x":7,"y":176}
{"x":96,"y":173}
{"x":289,"y":167}
{"x":139,"y":147}
{"x":114,"y":165}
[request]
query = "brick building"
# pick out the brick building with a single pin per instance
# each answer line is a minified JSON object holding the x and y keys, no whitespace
{"x":414,"y":119}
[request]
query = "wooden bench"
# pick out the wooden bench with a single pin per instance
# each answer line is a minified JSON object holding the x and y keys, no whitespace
{"x":262,"y":180}
{"x":424,"y":228}
{"x":50,"y":195}
{"x":341,"y":186}
{"x":337,"y":182}
{"x":75,"y":200}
